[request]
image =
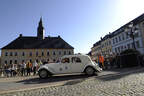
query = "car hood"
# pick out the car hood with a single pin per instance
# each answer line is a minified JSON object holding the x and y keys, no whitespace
{"x":51,"y":67}
{"x":51,"y":64}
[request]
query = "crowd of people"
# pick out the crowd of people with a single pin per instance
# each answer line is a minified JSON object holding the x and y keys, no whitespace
{"x":22,"y":69}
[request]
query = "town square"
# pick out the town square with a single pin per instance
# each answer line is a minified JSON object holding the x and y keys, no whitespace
{"x":72,"y":48}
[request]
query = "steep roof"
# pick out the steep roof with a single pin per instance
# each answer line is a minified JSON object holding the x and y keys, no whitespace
{"x":135,"y":21}
{"x":25,"y":42}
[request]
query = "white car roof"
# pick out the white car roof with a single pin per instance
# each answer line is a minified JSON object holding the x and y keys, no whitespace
{"x":75,"y":55}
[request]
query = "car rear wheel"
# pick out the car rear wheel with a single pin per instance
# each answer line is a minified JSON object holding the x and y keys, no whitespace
{"x":89,"y":71}
{"x":43,"y":74}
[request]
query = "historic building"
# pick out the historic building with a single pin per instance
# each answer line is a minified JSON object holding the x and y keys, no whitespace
{"x":121,"y":39}
{"x":95,"y":50}
{"x":106,"y":46}
{"x":40,"y":48}
{"x":0,"y":62}
{"x":102,"y":47}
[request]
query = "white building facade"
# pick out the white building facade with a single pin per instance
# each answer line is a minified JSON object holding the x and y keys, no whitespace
{"x":121,"y":39}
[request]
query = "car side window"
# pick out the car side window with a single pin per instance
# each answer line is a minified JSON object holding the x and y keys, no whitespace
{"x":65,"y":60}
{"x":76,"y":60}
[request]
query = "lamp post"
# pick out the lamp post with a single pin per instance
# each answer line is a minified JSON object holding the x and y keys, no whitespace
{"x":132,"y":33}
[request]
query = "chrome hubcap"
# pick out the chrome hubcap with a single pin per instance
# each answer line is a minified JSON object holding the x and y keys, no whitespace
{"x":89,"y":71}
{"x":43,"y":73}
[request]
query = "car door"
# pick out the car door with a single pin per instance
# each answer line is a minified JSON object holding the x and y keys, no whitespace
{"x":76,"y":65}
{"x":64,"y":65}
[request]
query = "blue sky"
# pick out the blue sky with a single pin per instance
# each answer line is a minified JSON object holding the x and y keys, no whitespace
{"x":79,"y":22}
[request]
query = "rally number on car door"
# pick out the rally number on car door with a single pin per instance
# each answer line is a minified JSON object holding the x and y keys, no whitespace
{"x":64,"y":68}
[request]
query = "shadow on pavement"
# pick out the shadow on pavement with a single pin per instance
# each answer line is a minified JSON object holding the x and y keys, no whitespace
{"x":107,"y":75}
{"x":121,"y":73}
{"x":78,"y":78}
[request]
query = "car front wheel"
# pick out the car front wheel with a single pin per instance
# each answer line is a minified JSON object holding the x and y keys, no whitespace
{"x":43,"y":74}
{"x":89,"y":71}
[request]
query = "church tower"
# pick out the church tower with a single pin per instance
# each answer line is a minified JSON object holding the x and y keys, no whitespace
{"x":40,"y":30}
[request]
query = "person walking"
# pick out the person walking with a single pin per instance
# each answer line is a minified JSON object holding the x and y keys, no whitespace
{"x":35,"y":67}
{"x":13,"y":70}
{"x":19,"y":69}
{"x":101,"y":61}
{"x":28,"y":68}
{"x":23,"y":66}
{"x":7,"y":70}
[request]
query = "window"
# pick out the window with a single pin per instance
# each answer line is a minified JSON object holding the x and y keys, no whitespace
{"x":59,"y":52}
{"x":11,"y":54}
{"x":76,"y":59}
{"x":119,"y":38}
{"x":10,"y":61}
{"x":54,"y":60}
{"x":37,"y":60}
{"x":109,"y":42}
{"x":15,"y":53}
{"x":6,"y":54}
{"x":118,"y":49}
{"x":64,"y":52}
{"x":5,"y":62}
{"x":30,"y":54}
{"x":136,"y":34}
{"x":42,"y":53}
{"x":65,"y":60}
{"x":137,"y":44}
{"x":115,"y":50}
{"x":15,"y":62}
{"x":127,"y":35}
{"x":36,"y":53}
{"x":121,"y":47}
{"x":116,"y":39}
{"x":47,"y":53}
{"x":69,"y":53}
{"x":23,"y":54}
{"x":54,"y":53}
{"x":113,"y":41}
{"x":128,"y":46}
{"x":123,"y":36}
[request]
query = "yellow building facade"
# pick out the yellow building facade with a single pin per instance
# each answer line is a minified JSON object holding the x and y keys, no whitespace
{"x":103,"y":47}
{"x":40,"y":48}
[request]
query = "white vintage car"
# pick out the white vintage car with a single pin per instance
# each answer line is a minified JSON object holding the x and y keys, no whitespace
{"x":70,"y":64}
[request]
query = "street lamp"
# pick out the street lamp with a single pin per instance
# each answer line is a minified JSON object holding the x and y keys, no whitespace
{"x":132,"y":33}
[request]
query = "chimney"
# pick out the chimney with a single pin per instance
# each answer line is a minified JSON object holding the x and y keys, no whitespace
{"x":58,"y":36}
{"x":20,"y":35}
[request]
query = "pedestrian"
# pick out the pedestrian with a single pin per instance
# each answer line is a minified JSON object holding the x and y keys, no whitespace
{"x":13,"y":70}
{"x":101,"y":61}
{"x":23,"y":66}
{"x":18,"y":69}
{"x":28,"y":68}
{"x":35,"y":67}
{"x":7,"y":70}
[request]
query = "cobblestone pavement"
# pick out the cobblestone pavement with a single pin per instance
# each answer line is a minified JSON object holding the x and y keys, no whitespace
{"x":128,"y":84}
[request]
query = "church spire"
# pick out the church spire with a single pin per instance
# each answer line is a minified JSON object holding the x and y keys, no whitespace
{"x":40,"y":30}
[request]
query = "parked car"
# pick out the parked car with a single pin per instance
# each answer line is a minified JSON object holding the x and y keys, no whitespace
{"x":70,"y":64}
